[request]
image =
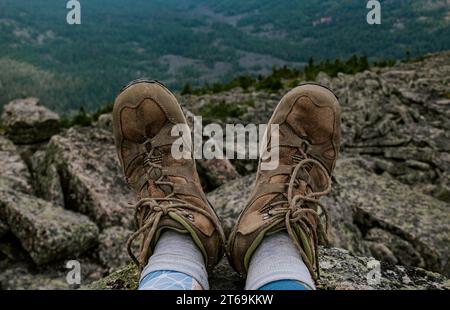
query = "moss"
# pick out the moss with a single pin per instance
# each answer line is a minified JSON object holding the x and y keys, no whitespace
{"x":123,"y":279}
{"x":445,"y":95}
{"x":221,"y":110}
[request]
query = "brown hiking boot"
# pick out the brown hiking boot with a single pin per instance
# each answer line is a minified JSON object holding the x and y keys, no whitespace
{"x":168,"y":189}
{"x":286,"y":198}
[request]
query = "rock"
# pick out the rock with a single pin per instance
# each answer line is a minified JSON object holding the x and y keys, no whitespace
{"x":381,"y":252}
{"x":47,"y":182}
{"x":215,"y":172}
{"x":123,"y":279}
{"x":13,"y":170}
{"x":342,"y":271}
{"x":3,"y":228}
{"x":393,"y":249}
{"x":46,"y":232}
{"x":104,"y":121}
{"x":112,"y":247}
{"x":19,"y":278}
{"x":11,"y":249}
{"x":339,"y":270}
{"x":28,"y":122}
{"x":379,"y":201}
{"x":398,"y":120}
{"x":212,"y":172}
{"x":390,"y":197}
{"x":360,"y":201}
{"x":84,"y":162}
{"x":230,"y":199}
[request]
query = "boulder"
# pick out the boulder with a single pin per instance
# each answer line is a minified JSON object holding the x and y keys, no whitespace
{"x":400,"y":118}
{"x":362,"y":200}
{"x":230,"y":199}
{"x":104,"y":121}
{"x":14,"y":174}
{"x":212,"y":172}
{"x":19,"y":276}
{"x":112,"y":250}
{"x":419,"y":223}
{"x":28,"y":122}
{"x":46,"y":178}
{"x":398,"y":115}
{"x":81,"y":169}
{"x":215,"y":172}
{"x":3,"y":228}
{"x":13,"y":170}
{"x":339,"y":271}
{"x":46,"y":232}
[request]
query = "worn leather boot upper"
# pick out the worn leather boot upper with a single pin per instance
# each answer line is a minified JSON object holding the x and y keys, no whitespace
{"x":286,"y":198}
{"x":168,"y":189}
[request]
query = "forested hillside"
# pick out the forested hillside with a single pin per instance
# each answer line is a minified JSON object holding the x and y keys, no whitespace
{"x":193,"y":41}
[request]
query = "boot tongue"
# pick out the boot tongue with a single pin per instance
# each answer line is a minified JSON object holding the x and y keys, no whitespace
{"x":152,"y":190}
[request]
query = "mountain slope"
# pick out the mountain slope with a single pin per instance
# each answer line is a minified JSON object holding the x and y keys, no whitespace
{"x":196,"y":41}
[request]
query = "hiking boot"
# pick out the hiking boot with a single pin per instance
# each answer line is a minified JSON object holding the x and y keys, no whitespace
{"x":286,"y":198}
{"x":168,"y":189}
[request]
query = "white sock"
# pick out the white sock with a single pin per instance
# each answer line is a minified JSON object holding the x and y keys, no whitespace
{"x":178,"y":253}
{"x":276,"y":259}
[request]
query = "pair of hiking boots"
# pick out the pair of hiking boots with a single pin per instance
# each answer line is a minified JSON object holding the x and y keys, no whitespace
{"x":169,"y":191}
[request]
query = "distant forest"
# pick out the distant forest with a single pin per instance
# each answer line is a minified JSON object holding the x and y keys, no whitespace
{"x":192,"y":45}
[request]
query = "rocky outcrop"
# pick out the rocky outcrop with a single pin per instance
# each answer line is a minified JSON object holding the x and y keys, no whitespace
{"x":19,"y":277}
{"x":112,"y":247}
{"x":13,"y":170}
{"x":339,"y":271}
{"x":419,"y":222}
{"x":3,"y":228}
{"x":81,"y":169}
{"x":396,"y":117}
{"x":35,"y":233}
{"x":361,"y":203}
{"x":390,"y":197}
{"x":230,"y":200}
{"x":27,"y":122}
{"x":52,"y":277}
{"x":400,"y":118}
{"x":46,"y":232}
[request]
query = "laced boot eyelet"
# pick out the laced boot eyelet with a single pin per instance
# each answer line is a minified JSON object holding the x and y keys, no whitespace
{"x":189,"y":216}
{"x":154,"y":173}
{"x":266,"y":216}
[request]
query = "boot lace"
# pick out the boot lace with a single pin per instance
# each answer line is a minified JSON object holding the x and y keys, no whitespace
{"x":149,"y":211}
{"x":299,"y":213}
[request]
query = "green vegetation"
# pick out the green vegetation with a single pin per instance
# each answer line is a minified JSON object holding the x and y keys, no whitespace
{"x":83,"y":118}
{"x":276,"y":80}
{"x":221,"y":110}
{"x":200,"y":42}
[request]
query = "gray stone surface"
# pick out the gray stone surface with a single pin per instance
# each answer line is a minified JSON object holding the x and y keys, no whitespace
{"x":85,"y":164}
{"x":339,"y":271}
{"x":112,"y":247}
{"x":13,"y":170}
{"x":360,"y":201}
{"x":46,"y":232}
{"x":390,"y":197}
{"x":26,"y":121}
